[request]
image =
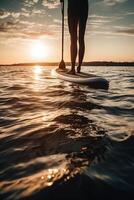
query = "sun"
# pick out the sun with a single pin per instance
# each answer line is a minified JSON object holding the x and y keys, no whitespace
{"x":39,"y":50}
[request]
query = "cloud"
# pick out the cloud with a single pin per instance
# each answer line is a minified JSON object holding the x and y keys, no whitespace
{"x":35,"y":1}
{"x":23,"y":30}
{"x":4,"y":14}
{"x":113,"y":2}
{"x":99,"y":20}
{"x":29,"y":3}
{"x":115,"y":31}
{"x":129,"y":13}
{"x":27,"y":22}
{"x":126,"y":31}
{"x":51,"y":4}
{"x":7,"y":26}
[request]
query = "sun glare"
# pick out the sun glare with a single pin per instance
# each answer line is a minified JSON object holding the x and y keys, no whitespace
{"x":37,"y":70}
{"x":39,"y":50}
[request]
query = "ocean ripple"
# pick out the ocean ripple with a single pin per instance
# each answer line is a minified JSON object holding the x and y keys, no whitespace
{"x":54,"y":134}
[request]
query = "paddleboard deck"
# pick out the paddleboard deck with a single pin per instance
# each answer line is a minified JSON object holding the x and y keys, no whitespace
{"x":82,"y":78}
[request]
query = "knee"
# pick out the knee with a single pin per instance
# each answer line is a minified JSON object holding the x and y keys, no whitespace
{"x":74,"y":41}
{"x":81,"y":41}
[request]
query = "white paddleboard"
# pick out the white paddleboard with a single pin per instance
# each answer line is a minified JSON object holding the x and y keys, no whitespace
{"x":82,"y":78}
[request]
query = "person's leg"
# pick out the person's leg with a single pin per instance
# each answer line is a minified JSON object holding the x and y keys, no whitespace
{"x":73,"y":24}
{"x":82,"y":28}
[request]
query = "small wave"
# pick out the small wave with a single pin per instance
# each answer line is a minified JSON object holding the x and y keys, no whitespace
{"x":53,"y":130}
{"x":16,"y":87}
{"x":120,"y":137}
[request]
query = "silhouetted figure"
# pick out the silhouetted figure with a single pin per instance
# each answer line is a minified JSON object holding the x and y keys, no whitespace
{"x":77,"y":18}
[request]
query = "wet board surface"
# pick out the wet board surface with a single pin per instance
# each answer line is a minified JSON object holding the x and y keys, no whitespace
{"x":91,"y":80}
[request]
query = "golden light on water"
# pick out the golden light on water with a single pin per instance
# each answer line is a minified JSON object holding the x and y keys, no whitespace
{"x":37,"y":70}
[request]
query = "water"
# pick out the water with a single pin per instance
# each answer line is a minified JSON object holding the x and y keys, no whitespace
{"x":60,"y":140}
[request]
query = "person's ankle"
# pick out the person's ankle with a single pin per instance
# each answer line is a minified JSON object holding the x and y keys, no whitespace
{"x":71,"y":72}
{"x":78,"y":68}
{"x":73,"y":69}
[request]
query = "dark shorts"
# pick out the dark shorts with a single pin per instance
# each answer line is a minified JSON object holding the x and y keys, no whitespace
{"x":77,"y":14}
{"x":78,"y":8}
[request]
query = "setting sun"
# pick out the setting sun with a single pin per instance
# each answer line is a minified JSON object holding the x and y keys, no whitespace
{"x":39,"y":50}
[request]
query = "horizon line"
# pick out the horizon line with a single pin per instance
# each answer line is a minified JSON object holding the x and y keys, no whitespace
{"x":95,"y":63}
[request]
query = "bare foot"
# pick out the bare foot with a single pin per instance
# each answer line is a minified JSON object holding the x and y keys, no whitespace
{"x":71,"y":72}
{"x":78,"y":69}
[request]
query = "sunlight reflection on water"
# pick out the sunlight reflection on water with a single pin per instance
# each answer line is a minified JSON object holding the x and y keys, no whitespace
{"x":51,"y":130}
{"x":37,"y":70}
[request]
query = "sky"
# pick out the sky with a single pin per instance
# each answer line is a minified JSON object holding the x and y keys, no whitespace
{"x":30,"y":31}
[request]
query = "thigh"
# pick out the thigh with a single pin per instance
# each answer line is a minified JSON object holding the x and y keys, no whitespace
{"x":82,"y":26}
{"x":73,"y":24}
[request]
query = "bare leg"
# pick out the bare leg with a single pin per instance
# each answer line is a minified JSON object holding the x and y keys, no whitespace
{"x":81,"y":53}
{"x":73,"y":24}
{"x":82,"y":28}
{"x":73,"y":50}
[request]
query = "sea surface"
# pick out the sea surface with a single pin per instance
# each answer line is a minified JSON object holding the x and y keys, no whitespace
{"x":65,"y":141}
